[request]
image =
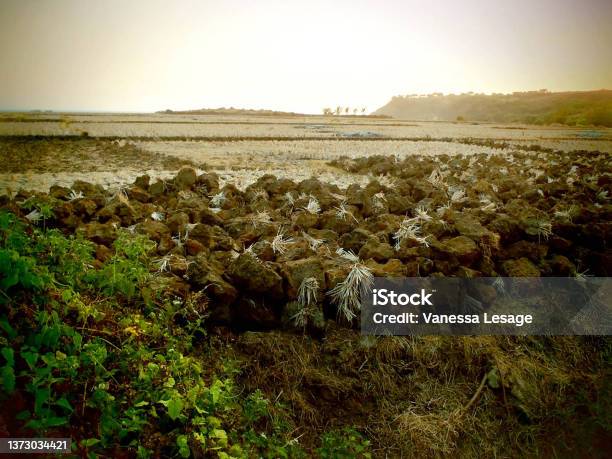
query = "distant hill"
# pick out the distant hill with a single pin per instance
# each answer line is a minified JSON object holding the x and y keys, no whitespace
{"x":578,"y":108}
{"x":229,"y":111}
{"x":251,"y":112}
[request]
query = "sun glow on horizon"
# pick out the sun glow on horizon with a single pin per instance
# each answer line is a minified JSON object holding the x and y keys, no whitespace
{"x":292,"y":56}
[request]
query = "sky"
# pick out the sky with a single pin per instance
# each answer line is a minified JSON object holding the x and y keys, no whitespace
{"x":149,"y":55}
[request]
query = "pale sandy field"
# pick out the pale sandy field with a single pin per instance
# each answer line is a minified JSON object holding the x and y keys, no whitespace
{"x":242,"y":148}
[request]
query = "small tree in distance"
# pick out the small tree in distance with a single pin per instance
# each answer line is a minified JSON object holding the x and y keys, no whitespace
{"x":346,"y":110}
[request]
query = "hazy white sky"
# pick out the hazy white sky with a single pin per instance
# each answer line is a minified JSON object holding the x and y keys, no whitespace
{"x":121,"y":55}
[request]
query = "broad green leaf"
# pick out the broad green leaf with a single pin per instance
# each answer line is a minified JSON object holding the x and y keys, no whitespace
{"x":182,"y":443}
{"x":64,"y":404}
{"x":218,"y":433}
{"x":67,"y":295}
{"x":175,"y":406}
{"x":34,"y":424}
{"x":9,"y":355}
{"x":89,"y":442}
{"x":77,"y":339}
{"x":30,"y":358}
{"x":4,"y":325}
{"x":8,"y":378}
{"x":215,"y":391}
{"x":41,"y":396}
{"x":51,"y":336}
{"x":55,"y":421}
{"x":10,"y":280}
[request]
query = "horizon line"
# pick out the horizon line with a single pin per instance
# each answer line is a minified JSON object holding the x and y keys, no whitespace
{"x":160,"y":111}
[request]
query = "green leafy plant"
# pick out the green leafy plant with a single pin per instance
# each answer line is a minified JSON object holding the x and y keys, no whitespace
{"x":7,"y":371}
{"x":344,"y":444}
{"x":91,"y":345}
{"x":18,"y":267}
{"x":127,"y":269}
{"x":40,"y":207}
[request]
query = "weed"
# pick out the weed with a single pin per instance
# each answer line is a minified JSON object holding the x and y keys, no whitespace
{"x":179,"y":240}
{"x":34,"y":216}
{"x":348,"y":255}
{"x":313,"y":206}
{"x":260,"y":218}
{"x":250,"y":252}
{"x":566,"y":214}
{"x":379,"y":200}
{"x":289,"y":198}
{"x":344,"y":444}
{"x":342,"y":212}
{"x":163,"y":264}
{"x":158,"y":216}
{"x":602,"y":195}
{"x":40,"y":208}
{"x":260,"y":195}
{"x":409,"y":230}
{"x":456,"y":194}
{"x":313,"y":243}
{"x":421,"y":214}
{"x":543,"y":229}
{"x":387,"y":181}
{"x":280,"y":243}
{"x":73,"y":196}
{"x":307,"y":292}
{"x":347,"y":294}
{"x":127,"y":269}
{"x":440,"y":211}
{"x":218,"y":199}
{"x":307,"y":299}
{"x":436,"y":179}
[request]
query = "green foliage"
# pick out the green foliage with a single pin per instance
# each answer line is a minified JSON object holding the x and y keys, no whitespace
{"x":41,"y":207}
{"x":7,"y":372}
{"x":138,"y":376}
{"x":17,"y":261}
{"x":127,"y":269}
{"x":52,"y":359}
{"x":44,"y":204}
{"x":31,"y":258}
{"x":68,"y":259}
{"x":255,"y":407}
{"x":341,"y":444}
